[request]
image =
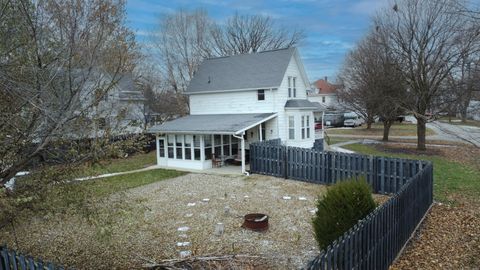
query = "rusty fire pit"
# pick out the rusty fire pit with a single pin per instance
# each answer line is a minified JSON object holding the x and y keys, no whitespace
{"x":256,"y":222}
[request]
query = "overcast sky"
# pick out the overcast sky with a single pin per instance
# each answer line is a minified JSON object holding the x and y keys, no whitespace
{"x":332,"y":26}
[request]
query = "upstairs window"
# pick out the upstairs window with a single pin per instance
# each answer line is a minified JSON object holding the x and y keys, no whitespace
{"x":261,"y":94}
{"x":294,"y":87}
{"x":323,"y":99}
{"x":291,"y":128}
{"x":289,"y":87}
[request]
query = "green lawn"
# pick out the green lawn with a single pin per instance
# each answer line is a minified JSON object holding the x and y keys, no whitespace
{"x":109,"y":185}
{"x":133,"y":162}
{"x":377,"y":130}
{"x":335,"y":140}
{"x":450,"y":177}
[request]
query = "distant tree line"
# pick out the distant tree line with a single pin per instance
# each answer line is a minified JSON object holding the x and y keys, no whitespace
{"x":421,"y":57}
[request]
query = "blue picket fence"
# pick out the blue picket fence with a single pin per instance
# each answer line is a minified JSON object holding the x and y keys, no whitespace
{"x":375,"y":241}
{"x":11,"y":260}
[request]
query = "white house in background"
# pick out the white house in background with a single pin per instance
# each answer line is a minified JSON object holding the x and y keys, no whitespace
{"x":324,"y":95}
{"x":473,"y":110}
{"x":235,"y":101}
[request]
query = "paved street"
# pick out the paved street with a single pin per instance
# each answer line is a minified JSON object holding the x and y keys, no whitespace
{"x":457,"y":133}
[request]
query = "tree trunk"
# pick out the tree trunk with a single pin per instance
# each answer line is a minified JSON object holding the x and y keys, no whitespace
{"x":421,"y":133}
{"x":369,"y":122}
{"x":386,"y":129}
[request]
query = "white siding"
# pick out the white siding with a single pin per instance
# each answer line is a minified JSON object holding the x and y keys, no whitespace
{"x":330,"y":99}
{"x":233,"y":103}
{"x":246,"y":102}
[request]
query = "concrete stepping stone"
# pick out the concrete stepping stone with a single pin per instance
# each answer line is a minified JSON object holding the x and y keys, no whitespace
{"x":183,"y":229}
{"x":185,"y":253}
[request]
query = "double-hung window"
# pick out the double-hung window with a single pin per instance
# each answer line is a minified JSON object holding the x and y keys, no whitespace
{"x":294,"y":87}
{"x":291,"y":128}
{"x":303,"y":127}
{"x":289,"y":87}
{"x":308,"y":126}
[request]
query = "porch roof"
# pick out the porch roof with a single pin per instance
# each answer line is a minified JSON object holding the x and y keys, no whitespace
{"x":213,"y":123}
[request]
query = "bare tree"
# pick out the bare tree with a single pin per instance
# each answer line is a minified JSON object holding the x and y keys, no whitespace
{"x":374,"y":85}
{"x":427,"y":39}
{"x":184,"y":39}
{"x":253,"y":33}
{"x":63,"y":58}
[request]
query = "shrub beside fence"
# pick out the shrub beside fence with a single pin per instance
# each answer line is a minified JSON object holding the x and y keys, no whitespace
{"x":9,"y":259}
{"x":375,"y":241}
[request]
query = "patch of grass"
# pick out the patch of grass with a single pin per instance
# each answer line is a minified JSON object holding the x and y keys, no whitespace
{"x":450,"y":177}
{"x":335,"y":140}
{"x":377,"y":130}
{"x":109,"y":185}
{"x":133,"y":162}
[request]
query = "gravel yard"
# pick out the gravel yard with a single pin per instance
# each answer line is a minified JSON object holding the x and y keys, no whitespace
{"x":166,"y":218}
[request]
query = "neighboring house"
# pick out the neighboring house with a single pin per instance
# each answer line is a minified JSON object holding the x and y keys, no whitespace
{"x":324,"y":96}
{"x":473,"y":110}
{"x":235,"y":101}
{"x":120,"y":111}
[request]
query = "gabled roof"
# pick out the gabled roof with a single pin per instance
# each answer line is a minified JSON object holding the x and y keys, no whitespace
{"x":324,"y":87}
{"x":212,"y":123}
{"x":242,"y":72}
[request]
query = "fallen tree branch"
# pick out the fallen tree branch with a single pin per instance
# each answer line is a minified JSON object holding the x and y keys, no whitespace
{"x":182,"y":263}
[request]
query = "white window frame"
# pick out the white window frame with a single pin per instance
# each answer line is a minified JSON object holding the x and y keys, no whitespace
{"x":289,"y":86}
{"x":294,"y":86}
{"x":303,"y":127}
{"x":291,"y":127}
{"x":308,"y":126}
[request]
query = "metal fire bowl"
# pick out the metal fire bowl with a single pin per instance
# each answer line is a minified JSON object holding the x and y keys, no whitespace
{"x":252,"y":222}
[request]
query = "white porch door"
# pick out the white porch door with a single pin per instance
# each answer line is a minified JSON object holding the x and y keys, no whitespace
{"x":162,"y":152}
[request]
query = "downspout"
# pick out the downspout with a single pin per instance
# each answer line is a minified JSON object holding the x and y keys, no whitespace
{"x":243,"y":150}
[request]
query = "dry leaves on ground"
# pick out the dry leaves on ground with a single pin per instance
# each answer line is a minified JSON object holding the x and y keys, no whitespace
{"x":449,"y":238}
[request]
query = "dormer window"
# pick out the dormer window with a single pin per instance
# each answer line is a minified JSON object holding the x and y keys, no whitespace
{"x":261,"y":94}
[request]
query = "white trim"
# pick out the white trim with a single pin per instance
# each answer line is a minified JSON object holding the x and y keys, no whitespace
{"x":301,"y":67}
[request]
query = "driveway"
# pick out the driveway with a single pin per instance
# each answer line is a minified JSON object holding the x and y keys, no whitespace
{"x":455,"y":133}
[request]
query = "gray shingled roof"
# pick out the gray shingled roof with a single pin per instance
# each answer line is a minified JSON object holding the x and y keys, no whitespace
{"x":211,"y":123}
{"x":244,"y":71}
{"x":300,"y":103}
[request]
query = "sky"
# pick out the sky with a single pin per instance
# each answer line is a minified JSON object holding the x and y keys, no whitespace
{"x":332,"y":27}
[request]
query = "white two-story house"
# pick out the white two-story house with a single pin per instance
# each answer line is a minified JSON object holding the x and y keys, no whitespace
{"x":235,"y":101}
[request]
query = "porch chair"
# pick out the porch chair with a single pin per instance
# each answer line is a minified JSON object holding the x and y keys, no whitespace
{"x":216,"y":162}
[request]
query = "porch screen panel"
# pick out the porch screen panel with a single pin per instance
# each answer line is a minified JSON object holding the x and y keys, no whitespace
{"x":179,"y":142}
{"x":218,"y":145}
{"x":170,"y":142}
{"x":208,"y":147}
{"x":196,"y":147}
{"x":226,"y":145}
{"x":234,"y":146}
{"x":188,"y":147}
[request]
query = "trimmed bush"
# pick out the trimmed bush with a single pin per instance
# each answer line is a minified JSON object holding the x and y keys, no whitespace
{"x":342,"y":206}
